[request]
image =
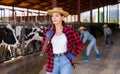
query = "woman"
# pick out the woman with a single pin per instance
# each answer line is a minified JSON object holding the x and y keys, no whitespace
{"x":107,"y":34}
{"x":85,"y":35}
{"x":60,"y":47}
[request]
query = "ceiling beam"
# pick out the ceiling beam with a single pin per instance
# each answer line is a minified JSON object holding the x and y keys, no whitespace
{"x":16,"y":3}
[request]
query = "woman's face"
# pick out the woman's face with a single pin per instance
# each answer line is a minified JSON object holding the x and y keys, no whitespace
{"x":57,"y":18}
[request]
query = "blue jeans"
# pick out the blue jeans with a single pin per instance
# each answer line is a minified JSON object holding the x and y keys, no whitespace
{"x":62,"y":65}
{"x":108,"y":37}
{"x":91,"y":45}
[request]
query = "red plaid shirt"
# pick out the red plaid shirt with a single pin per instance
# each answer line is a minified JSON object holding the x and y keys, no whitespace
{"x":72,"y":39}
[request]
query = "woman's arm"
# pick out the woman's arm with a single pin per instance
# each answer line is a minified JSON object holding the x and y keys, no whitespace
{"x":44,"y":40}
{"x":78,"y":42}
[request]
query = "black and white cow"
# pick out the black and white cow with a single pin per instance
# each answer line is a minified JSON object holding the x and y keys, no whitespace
{"x":30,"y":34}
{"x":8,"y":38}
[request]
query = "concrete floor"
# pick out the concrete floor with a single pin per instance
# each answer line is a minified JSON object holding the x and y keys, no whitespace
{"x":109,"y":63}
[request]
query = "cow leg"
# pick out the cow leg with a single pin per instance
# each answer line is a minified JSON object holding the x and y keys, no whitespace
{"x":2,"y":57}
{"x":30,"y":48}
{"x":6,"y":54}
{"x":9,"y":48}
{"x":13,"y":50}
{"x":38,"y":45}
{"x":3,"y":53}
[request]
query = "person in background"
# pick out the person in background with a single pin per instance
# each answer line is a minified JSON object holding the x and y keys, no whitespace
{"x":86,"y":36}
{"x":108,"y":35}
{"x":60,"y":47}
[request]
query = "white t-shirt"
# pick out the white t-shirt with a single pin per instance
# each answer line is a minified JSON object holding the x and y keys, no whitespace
{"x":59,"y":44}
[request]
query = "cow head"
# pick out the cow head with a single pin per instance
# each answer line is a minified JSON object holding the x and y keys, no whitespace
{"x":35,"y":34}
{"x":8,"y":36}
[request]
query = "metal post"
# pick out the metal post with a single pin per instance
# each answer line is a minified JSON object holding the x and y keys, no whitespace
{"x":31,"y":19}
{"x":79,"y":19}
{"x":54,"y":3}
{"x":24,"y":16}
{"x":28,"y":18}
{"x":91,"y":4}
{"x":98,"y":15}
{"x":1,"y":14}
{"x":36,"y":19}
{"x":4,"y":15}
{"x":39,"y":15}
{"x":9,"y":16}
{"x":103,"y":14}
{"x":21,"y":18}
{"x":13,"y":13}
{"x":107,"y":15}
{"x":15,"y":16}
{"x":118,"y":13}
{"x":67,"y":19}
{"x":74,"y":18}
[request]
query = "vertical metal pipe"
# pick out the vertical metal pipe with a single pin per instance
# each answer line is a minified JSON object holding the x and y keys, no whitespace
{"x":74,"y":18}
{"x":36,"y":18}
{"x":4,"y":14}
{"x":54,"y":3}
{"x":1,"y":14}
{"x":118,"y":13}
{"x":91,"y":4}
{"x":103,"y":14}
{"x":71,"y":18}
{"x":28,"y":18}
{"x":98,"y":15}
{"x":107,"y":15}
{"x":21,"y":17}
{"x":13,"y":14}
{"x":79,"y":19}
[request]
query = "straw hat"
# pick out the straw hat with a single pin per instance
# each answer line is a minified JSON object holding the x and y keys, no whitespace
{"x":105,"y":25}
{"x":81,"y":28}
{"x":58,"y":10}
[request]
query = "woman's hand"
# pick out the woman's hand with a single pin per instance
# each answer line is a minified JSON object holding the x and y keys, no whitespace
{"x":50,"y":32}
{"x":70,"y":55}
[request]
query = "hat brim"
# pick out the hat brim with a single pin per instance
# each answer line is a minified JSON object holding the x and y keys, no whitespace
{"x":105,"y":25}
{"x":82,"y":28}
{"x":64,"y":13}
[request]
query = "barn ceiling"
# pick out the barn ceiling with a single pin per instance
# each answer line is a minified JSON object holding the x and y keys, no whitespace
{"x":68,"y":5}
